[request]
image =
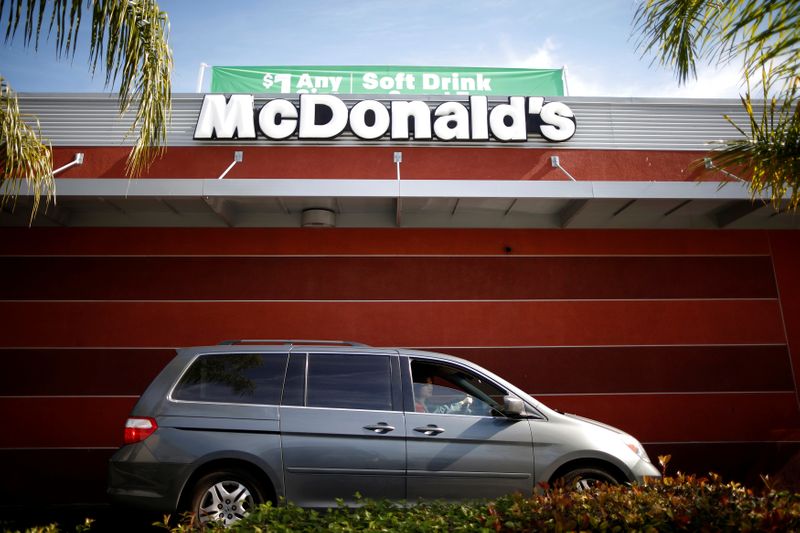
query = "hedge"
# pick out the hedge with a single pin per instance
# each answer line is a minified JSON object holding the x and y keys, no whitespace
{"x":680,"y":503}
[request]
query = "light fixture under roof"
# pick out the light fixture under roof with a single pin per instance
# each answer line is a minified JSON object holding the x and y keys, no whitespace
{"x":318,"y":218}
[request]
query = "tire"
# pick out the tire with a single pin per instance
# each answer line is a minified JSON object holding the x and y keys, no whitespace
{"x":587,"y":478}
{"x":225,"y":496}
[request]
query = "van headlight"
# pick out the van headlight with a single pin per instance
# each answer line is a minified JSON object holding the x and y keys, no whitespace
{"x":636,"y":447}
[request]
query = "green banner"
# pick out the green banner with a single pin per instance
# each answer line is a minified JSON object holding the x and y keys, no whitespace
{"x":388,"y":80}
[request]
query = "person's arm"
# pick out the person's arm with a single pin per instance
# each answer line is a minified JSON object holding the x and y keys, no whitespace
{"x":459,"y":406}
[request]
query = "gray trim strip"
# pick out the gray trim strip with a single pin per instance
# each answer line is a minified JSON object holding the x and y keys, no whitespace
{"x":410,"y":473}
{"x":222,"y":430}
{"x":256,"y":188}
{"x":345,"y":471}
{"x":471,"y":475}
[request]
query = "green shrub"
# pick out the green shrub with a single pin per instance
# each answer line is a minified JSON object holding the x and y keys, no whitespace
{"x":53,"y":528}
{"x":681,"y":503}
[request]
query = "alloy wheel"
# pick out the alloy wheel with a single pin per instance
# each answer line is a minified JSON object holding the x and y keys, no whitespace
{"x":226,"y":502}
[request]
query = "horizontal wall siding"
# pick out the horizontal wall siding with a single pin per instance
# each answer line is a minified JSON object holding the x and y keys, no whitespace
{"x":80,"y":371}
{"x":569,"y":370}
{"x":785,"y":250}
{"x":69,"y":476}
{"x":576,"y":370}
{"x":700,"y":417}
{"x":388,"y":278}
{"x":318,"y":242}
{"x":492,"y":323}
{"x":679,"y":337}
{"x":602,"y":122}
{"x":65,"y":422}
{"x":732,"y":460}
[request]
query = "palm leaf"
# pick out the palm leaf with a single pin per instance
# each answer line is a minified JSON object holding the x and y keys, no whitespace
{"x":765,"y":36}
{"x":129,"y":45}
{"x":674,"y":32}
{"x":129,"y":42}
{"x":23,"y":157}
{"x":769,"y":151}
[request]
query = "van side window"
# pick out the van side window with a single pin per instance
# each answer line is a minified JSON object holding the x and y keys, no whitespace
{"x":233,"y":378}
{"x":349,"y":382}
{"x":443,"y":389}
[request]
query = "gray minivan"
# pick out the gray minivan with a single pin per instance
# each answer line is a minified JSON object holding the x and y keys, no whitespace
{"x":224,"y":428}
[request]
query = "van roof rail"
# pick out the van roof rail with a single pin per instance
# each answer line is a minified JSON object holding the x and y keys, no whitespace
{"x":292,"y":342}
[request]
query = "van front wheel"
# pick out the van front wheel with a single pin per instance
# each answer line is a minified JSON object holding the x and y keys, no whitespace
{"x":582,"y":479}
{"x":225,"y":497}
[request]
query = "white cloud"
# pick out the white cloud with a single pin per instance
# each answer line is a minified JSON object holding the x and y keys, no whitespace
{"x":711,"y":82}
{"x":543,"y":57}
{"x":579,"y":85}
{"x":624,"y":78}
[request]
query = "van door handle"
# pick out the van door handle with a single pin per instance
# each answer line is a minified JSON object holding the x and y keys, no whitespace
{"x":430,"y":429}
{"x":380,"y":427}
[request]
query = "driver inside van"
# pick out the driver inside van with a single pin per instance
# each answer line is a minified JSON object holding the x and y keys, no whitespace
{"x":423,"y":394}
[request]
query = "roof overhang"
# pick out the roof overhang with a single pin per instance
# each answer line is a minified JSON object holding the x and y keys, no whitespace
{"x":406,"y":203}
{"x":632,"y":159}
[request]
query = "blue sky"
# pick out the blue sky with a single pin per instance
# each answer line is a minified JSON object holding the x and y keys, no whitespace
{"x":592,"y":39}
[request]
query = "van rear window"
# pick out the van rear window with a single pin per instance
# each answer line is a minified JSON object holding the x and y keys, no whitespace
{"x":233,"y":378}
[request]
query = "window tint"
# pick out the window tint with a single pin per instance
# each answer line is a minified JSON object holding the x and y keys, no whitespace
{"x":294,"y":392}
{"x":233,"y":378}
{"x":349,"y":382}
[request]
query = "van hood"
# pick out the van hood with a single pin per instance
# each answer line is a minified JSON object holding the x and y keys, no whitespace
{"x":594,"y":423}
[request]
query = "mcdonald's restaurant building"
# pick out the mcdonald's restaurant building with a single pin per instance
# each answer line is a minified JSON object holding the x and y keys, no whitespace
{"x":566,"y":243}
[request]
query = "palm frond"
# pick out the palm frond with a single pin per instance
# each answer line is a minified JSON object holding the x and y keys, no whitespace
{"x":679,"y":33}
{"x":23,"y":157}
{"x":675,"y":32}
{"x":64,"y":15}
{"x":769,"y":151}
{"x":129,"y":44}
{"x":767,"y":35}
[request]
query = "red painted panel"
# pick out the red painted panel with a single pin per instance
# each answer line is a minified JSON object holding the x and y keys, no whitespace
{"x":63,"y":422}
{"x":376,"y":162}
{"x":631,"y":369}
{"x":70,"y":477}
{"x":785,"y":246}
{"x":744,"y":462}
{"x":377,"y":241}
{"x":79,"y":371}
{"x":691,"y":417}
{"x":384,"y":278}
{"x":538,"y":323}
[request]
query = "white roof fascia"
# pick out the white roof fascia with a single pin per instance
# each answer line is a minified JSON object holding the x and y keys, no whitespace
{"x":254,"y":188}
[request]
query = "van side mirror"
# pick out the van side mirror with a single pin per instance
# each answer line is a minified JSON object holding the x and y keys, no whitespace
{"x":512,"y":406}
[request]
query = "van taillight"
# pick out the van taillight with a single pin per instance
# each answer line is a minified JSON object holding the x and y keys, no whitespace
{"x":139,"y":428}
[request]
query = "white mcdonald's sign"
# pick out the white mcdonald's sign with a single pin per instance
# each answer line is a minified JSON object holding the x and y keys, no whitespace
{"x":326,"y":116}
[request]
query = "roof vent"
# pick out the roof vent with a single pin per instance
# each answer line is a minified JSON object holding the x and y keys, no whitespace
{"x":318,"y":218}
